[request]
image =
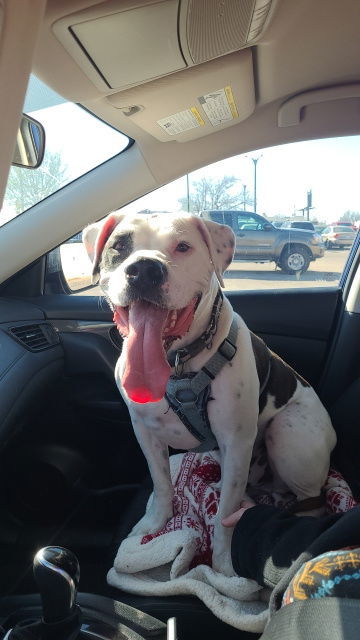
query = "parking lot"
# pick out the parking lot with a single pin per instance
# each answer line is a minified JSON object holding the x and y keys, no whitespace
{"x":325,"y":271}
{"x":242,"y":275}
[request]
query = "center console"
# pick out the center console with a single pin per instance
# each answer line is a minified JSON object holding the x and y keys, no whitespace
{"x":59,"y":612}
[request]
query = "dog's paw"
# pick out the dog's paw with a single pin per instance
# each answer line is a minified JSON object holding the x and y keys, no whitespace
{"x":221,"y":562}
{"x":151,"y":522}
{"x":221,"y":559}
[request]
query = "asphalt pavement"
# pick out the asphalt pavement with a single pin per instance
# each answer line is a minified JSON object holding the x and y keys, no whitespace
{"x":325,"y":271}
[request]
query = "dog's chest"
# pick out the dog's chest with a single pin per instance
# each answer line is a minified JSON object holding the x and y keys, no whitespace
{"x":162,"y":422}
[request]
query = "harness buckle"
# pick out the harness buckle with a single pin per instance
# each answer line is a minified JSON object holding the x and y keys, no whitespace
{"x":188,"y":406}
{"x":227,"y":349}
{"x":186,"y":397}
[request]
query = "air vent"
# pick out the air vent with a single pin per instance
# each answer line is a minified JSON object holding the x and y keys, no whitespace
{"x":35,"y":337}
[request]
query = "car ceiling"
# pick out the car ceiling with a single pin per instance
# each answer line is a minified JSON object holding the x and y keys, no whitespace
{"x":297,"y":79}
{"x":303,"y":46}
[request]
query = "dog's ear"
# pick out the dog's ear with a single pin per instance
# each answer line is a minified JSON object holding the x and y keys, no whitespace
{"x":220,"y":241}
{"x":94,"y":238}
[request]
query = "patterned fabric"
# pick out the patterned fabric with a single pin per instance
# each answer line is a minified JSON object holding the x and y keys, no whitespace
{"x":332,"y":574}
{"x":195,"y":503}
{"x":177,"y":559}
{"x":338,"y":494}
{"x":196,"y":479}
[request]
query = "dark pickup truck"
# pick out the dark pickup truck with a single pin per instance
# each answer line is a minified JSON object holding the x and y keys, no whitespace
{"x":258,"y":240}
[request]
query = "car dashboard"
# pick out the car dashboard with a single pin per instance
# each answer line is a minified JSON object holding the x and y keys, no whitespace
{"x":31,"y":359}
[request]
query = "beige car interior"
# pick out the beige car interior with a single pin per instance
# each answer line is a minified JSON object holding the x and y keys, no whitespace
{"x":190,"y":83}
{"x":290,"y":71}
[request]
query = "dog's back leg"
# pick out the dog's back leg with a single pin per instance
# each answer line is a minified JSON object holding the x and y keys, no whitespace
{"x":299,"y":440}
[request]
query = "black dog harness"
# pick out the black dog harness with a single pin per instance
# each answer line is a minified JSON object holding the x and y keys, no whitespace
{"x":188,"y":394}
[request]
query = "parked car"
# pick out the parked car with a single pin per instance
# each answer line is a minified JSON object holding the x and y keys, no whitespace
{"x":341,"y":223}
{"x":258,"y":239}
{"x":338,"y":236}
{"x":299,"y":224}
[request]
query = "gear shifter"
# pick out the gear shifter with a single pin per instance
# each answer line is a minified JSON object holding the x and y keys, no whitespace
{"x":57,"y":573}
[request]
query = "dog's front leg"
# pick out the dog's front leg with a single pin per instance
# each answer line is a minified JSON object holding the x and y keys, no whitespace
{"x":156,"y":452}
{"x":235,"y":464}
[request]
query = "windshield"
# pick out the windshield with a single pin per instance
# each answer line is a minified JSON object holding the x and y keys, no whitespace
{"x":76,"y":142}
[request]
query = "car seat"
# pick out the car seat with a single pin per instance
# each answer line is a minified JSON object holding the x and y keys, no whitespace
{"x":193,"y":617}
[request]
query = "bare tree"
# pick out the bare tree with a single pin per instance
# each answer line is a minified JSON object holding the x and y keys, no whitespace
{"x":26,"y":187}
{"x":210,"y":193}
{"x":350,"y":216}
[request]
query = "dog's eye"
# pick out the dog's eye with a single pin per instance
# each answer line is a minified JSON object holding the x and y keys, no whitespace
{"x":182,"y":247}
{"x":120,"y":245}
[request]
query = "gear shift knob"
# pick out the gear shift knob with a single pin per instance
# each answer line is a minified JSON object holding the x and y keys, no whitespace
{"x":57,"y":573}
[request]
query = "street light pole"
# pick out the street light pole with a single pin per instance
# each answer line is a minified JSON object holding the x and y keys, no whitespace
{"x":255,"y":161}
{"x":244,"y":196}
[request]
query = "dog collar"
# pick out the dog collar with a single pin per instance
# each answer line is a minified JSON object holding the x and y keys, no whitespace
{"x":180,"y":356}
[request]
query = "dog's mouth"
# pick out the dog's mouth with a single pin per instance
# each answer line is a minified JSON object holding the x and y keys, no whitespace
{"x":149,"y":330}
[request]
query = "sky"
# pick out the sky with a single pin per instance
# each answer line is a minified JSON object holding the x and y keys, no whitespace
{"x":330,"y":168}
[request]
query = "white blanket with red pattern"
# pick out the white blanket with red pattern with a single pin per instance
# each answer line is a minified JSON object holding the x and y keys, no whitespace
{"x":177,"y":559}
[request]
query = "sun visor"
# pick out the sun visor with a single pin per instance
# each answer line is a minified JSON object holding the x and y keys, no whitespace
{"x":193,"y":103}
{"x":124,"y":43}
{"x":133,"y":46}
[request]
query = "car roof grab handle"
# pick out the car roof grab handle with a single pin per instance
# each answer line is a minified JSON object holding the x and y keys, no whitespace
{"x":289,"y":113}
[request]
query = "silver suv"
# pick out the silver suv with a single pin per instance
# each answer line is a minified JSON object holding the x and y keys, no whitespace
{"x":257,"y":239}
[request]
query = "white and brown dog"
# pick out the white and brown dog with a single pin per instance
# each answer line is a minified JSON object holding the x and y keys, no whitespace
{"x":161,"y":275}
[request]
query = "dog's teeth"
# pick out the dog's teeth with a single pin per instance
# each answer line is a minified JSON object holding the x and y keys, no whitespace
{"x":172,"y":318}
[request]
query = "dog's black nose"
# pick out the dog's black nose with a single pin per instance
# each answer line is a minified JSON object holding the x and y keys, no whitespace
{"x":146,"y":272}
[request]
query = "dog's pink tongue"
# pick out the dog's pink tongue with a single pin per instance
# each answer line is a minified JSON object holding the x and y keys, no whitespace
{"x":147,"y":371}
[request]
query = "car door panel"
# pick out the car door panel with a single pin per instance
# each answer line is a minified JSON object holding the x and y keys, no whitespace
{"x":297,"y":324}
{"x":254,"y":243}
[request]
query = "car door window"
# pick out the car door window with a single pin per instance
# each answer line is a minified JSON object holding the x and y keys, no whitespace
{"x":249,"y":223}
{"x":314,"y":181}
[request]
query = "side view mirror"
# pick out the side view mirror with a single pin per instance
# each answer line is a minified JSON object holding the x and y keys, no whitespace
{"x":267,"y":226}
{"x":30,"y":144}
